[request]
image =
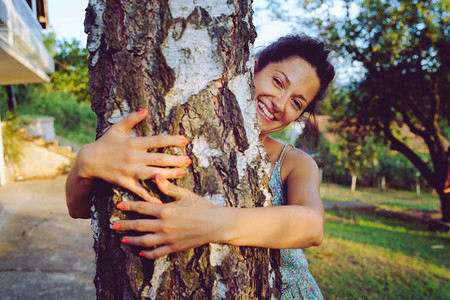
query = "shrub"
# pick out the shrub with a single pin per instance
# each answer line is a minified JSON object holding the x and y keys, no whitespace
{"x":12,"y":141}
{"x":73,"y":120}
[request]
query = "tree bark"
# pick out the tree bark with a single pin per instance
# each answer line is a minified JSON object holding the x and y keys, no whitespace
{"x":190,"y":64}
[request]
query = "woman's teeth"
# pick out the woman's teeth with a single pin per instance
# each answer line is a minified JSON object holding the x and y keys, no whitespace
{"x":266,"y":111}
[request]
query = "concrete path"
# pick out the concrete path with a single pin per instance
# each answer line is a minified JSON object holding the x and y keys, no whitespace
{"x":44,"y":254}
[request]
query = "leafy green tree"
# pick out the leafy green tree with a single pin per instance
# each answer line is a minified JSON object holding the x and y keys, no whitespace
{"x":403,"y":49}
{"x":399,"y":172}
{"x":71,"y":71}
{"x":354,"y":152}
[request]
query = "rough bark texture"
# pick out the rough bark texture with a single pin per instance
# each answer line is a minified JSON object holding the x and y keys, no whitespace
{"x":190,"y":63}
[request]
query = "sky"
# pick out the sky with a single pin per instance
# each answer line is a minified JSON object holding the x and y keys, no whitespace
{"x":66,"y":19}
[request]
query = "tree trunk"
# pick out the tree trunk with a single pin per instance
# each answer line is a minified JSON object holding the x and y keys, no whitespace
{"x":321,"y":175}
{"x":444,"y":195}
{"x":353,"y":186}
{"x":190,"y":64}
{"x":435,"y":178}
{"x":418,"y":193}
{"x":445,"y":204}
{"x":383,"y":183}
{"x":11,"y":98}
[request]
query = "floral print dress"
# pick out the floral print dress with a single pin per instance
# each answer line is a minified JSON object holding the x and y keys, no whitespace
{"x":298,"y":283}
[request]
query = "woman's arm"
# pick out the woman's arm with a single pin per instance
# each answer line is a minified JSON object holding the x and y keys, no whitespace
{"x":122,"y":160}
{"x":299,"y":224}
{"x":192,"y":221}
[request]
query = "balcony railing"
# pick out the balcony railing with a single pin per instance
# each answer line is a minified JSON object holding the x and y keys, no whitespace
{"x":21,"y":30}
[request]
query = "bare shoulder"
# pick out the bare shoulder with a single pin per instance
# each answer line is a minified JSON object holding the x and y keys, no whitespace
{"x":300,"y":164}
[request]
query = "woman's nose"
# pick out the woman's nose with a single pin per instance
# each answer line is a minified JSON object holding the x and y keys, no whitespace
{"x":279,"y":102}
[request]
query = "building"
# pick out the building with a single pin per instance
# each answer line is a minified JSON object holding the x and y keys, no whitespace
{"x":23,"y":56}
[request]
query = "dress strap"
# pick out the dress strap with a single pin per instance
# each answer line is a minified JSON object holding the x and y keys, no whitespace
{"x":285,"y":151}
{"x":280,"y":160}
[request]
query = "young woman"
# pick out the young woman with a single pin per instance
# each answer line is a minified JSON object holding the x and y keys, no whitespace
{"x":291,"y":76}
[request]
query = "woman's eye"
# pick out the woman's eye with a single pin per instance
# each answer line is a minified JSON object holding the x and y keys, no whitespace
{"x":297,"y":103}
{"x":278,"y":82}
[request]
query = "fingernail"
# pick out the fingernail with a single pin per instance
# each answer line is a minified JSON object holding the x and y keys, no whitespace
{"x":141,"y":254}
{"x":184,"y":141}
{"x":116,"y":226}
{"x":188,"y":161}
{"x":181,"y":173}
{"x":124,"y":241}
{"x":120,"y":205}
{"x":142,"y":111}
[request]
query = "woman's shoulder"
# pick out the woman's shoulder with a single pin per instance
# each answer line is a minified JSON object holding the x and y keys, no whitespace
{"x":299,"y":162}
{"x":274,"y":148}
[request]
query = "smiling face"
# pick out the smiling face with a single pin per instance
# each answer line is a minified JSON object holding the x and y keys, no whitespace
{"x":283,"y":90}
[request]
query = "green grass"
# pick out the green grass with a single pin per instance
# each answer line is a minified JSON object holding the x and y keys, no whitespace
{"x":369,"y":256}
{"x":391,"y":199}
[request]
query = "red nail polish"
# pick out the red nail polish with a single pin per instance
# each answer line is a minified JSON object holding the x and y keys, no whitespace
{"x":181,"y":173}
{"x":188,"y":161}
{"x":120,"y":205}
{"x":116,"y":226}
{"x":124,"y":241}
{"x":184,"y":141}
{"x":142,"y":111}
{"x":141,"y":254}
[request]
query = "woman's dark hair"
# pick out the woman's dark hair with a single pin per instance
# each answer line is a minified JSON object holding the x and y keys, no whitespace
{"x":315,"y":53}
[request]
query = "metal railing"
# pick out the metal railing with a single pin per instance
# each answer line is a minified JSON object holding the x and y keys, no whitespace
{"x":21,"y":30}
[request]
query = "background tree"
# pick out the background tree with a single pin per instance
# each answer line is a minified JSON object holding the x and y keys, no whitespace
{"x":402,"y":47}
{"x":353,"y":152}
{"x":190,"y":65}
{"x":71,"y":70}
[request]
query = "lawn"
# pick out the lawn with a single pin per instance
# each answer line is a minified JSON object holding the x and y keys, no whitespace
{"x":391,"y":199}
{"x":369,"y":256}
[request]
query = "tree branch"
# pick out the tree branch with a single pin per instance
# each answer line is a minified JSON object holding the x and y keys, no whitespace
{"x":414,"y":129}
{"x":413,"y":157}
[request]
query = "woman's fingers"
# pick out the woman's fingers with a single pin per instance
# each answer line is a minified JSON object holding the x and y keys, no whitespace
{"x":136,"y":187}
{"x":171,"y":189}
{"x":158,"y":252}
{"x":183,"y":197}
{"x":151,"y":172}
{"x":141,"y":207}
{"x":131,"y":120}
{"x":146,"y":240}
{"x":161,"y":141}
{"x":162,"y":160}
{"x":157,"y":141}
{"x":140,"y":225}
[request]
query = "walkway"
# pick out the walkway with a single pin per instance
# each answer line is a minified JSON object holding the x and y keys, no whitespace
{"x":44,"y":254}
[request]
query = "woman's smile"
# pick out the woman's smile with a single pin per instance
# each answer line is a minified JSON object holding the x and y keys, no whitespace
{"x":265,"y":112}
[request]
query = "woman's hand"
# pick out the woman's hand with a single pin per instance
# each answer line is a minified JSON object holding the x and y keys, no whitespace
{"x":190,"y":221}
{"x":123,"y":160}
